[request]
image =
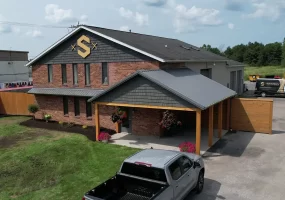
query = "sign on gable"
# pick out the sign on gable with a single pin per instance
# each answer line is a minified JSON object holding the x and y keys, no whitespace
{"x":83,"y":46}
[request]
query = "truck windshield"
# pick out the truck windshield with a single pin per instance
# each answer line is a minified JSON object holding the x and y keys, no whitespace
{"x":144,"y":171}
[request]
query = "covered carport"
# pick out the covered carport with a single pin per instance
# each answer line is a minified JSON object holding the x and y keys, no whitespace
{"x":172,"y":89}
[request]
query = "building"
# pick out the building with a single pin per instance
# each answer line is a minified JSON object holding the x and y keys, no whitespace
{"x":13,"y":71}
{"x":110,"y":68}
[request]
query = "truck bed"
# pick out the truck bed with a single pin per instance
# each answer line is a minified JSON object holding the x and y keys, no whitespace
{"x":122,"y":187}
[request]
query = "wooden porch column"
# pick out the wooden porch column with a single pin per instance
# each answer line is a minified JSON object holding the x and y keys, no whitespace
{"x":220,"y":123}
{"x":211,"y":126}
{"x":97,"y":121}
{"x":198,"y":132}
{"x":228,"y":113}
{"x":118,"y":127}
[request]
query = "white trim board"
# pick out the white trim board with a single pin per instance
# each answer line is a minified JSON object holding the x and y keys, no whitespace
{"x":96,"y":33}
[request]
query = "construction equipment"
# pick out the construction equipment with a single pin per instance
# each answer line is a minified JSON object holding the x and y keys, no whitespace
{"x":253,"y":78}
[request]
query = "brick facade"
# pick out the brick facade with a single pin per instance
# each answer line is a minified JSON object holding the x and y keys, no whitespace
{"x":53,"y":105}
{"x":116,"y":71}
{"x":145,"y":121}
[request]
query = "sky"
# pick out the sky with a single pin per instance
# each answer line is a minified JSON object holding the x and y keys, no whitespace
{"x":220,"y":23}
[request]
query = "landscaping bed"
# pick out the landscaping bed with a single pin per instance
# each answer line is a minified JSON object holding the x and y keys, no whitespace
{"x":88,"y":131}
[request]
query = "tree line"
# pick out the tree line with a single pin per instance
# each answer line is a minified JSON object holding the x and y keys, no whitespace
{"x":254,"y":54}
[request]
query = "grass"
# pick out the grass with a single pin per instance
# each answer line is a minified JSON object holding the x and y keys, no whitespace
{"x":52,"y":165}
{"x":264,"y":70}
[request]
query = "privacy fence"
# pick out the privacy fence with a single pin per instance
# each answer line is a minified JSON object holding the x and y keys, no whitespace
{"x":15,"y":103}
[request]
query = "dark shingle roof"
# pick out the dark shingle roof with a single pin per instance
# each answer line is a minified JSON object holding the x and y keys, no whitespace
{"x":176,"y":50}
{"x":185,"y":83}
{"x":66,"y":92}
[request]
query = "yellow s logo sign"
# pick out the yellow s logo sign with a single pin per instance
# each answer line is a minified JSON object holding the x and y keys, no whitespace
{"x":83,"y":46}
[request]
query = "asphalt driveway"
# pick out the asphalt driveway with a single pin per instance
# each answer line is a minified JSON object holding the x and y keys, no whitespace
{"x":247,"y":166}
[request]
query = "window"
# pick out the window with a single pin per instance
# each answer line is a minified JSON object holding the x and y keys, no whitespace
{"x":76,"y":106}
{"x":175,"y":170}
{"x":75,"y":74}
{"x":49,"y":73}
{"x":88,"y":108}
{"x":65,"y":105}
{"x":186,"y":164}
{"x":105,"y":80}
{"x":87,"y":74}
{"x":63,"y":74}
{"x":206,"y":72}
{"x":144,"y":171}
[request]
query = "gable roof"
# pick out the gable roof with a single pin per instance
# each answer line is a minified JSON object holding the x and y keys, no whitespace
{"x":159,"y":48}
{"x":190,"y":86}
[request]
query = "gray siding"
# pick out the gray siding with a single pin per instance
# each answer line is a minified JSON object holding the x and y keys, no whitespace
{"x":15,"y":71}
{"x":13,"y":55}
{"x":106,"y":51}
{"x":144,"y":92}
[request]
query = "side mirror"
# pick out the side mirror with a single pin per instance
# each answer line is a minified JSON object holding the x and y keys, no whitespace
{"x":196,"y":165}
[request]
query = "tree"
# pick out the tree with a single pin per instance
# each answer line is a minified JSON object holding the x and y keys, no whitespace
{"x":283,"y":53}
{"x":214,"y":50}
{"x":33,"y":108}
{"x":273,"y":53}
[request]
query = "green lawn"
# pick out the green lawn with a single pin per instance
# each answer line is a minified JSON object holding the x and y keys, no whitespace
{"x":41,"y":164}
{"x":263,"y":71}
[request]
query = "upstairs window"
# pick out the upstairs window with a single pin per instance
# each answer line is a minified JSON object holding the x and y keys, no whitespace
{"x":105,"y":77}
{"x":87,"y":74}
{"x":76,"y":106}
{"x":75,"y":74}
{"x":49,"y":73}
{"x":63,"y":74}
{"x":88,"y":108}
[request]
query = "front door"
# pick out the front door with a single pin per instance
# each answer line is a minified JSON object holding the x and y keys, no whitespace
{"x":126,"y":125}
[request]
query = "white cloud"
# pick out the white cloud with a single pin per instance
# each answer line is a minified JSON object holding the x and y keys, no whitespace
{"x":194,"y":18}
{"x":55,"y":14}
{"x":7,"y":28}
{"x":156,"y":3}
{"x":271,"y":9}
{"x":231,"y":26}
{"x":34,"y":33}
{"x":124,"y":28}
{"x":138,"y":18}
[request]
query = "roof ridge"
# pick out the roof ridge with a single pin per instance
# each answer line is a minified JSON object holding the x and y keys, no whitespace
{"x":129,"y":32}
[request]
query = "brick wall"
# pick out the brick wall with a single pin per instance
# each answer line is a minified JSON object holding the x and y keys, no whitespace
{"x":145,"y":121}
{"x":117,"y":71}
{"x":105,"y":117}
{"x":53,"y":105}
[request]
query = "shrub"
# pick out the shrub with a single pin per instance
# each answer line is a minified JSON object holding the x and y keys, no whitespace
{"x":47,"y":117}
{"x":104,"y":136}
{"x":33,"y":108}
{"x":187,"y":147}
{"x":169,"y":120}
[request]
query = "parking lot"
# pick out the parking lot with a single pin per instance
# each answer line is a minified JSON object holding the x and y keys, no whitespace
{"x":243,"y":165}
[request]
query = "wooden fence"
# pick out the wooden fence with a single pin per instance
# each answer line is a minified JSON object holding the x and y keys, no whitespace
{"x":15,"y":103}
{"x":254,"y":115}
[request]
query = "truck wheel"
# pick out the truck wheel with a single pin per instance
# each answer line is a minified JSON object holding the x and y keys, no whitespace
{"x":200,"y":183}
{"x":263,"y":94}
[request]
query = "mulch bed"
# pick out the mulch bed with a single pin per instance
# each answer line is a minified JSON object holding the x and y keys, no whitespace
{"x":89,"y":132}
